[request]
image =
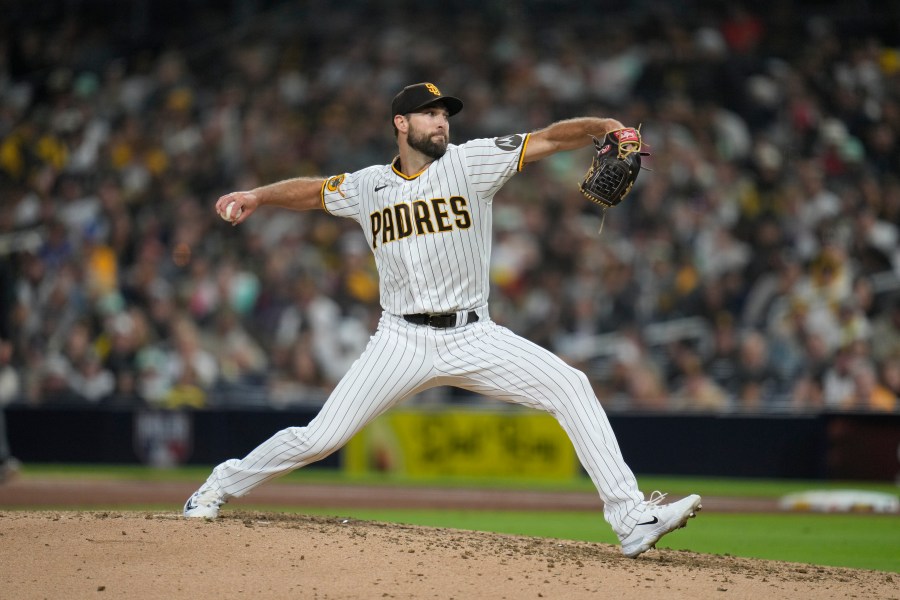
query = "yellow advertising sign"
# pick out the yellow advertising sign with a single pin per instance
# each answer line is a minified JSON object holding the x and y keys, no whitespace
{"x":456,"y":442}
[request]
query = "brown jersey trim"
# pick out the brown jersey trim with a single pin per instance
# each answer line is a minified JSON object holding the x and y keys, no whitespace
{"x":406,"y":177}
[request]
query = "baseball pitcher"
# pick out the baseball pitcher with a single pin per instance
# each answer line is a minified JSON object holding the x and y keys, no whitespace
{"x":426,"y":217}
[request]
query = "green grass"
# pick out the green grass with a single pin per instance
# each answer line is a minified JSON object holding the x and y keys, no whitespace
{"x":839,"y":540}
{"x":859,"y":541}
{"x":676,"y":486}
{"x":847,"y":540}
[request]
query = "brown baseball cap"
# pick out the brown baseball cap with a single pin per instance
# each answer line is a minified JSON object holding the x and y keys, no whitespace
{"x":419,"y":95}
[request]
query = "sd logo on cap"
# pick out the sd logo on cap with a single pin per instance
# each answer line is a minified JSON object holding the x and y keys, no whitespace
{"x":419,"y":95}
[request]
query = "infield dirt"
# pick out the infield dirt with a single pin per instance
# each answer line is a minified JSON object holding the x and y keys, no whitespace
{"x":103,"y":554}
{"x":77,"y":554}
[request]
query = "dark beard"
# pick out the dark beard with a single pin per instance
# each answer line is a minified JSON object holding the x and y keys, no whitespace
{"x":425,"y":145}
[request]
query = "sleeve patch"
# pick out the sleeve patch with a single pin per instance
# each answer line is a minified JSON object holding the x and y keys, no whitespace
{"x":334,"y":184}
{"x":508,"y":142}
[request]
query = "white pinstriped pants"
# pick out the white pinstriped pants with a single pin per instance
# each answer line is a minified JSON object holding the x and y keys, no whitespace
{"x":403,"y":359}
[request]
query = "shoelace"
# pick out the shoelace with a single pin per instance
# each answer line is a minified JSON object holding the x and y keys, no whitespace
{"x":656,"y":497}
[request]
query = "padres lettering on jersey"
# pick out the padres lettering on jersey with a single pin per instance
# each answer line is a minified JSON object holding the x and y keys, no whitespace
{"x":430,"y":233}
{"x":436,"y":215}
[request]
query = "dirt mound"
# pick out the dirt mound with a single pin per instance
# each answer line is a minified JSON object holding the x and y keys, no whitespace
{"x":261,"y":555}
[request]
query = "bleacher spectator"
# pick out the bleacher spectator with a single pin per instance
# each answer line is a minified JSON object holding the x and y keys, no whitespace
{"x":773,"y":203}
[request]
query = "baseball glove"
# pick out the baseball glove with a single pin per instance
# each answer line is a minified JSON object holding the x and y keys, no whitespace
{"x":615,"y":167}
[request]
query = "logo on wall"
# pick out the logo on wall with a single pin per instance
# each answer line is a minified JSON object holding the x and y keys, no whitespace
{"x":163,"y":438}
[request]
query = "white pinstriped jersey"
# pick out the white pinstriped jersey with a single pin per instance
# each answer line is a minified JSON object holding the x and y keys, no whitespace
{"x":430,"y":233}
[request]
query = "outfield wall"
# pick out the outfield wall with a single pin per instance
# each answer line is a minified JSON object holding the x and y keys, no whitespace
{"x":454,"y":441}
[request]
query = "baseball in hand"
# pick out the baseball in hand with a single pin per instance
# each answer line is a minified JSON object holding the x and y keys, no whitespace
{"x":232,"y":212}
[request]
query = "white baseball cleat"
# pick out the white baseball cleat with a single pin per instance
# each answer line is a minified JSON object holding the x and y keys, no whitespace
{"x":658,"y":520}
{"x":203,"y":504}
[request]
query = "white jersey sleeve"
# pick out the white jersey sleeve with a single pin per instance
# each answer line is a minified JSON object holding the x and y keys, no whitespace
{"x":491,"y":162}
{"x":340,"y":196}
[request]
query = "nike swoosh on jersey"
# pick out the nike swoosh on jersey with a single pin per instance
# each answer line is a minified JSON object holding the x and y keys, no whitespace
{"x":378,"y":188}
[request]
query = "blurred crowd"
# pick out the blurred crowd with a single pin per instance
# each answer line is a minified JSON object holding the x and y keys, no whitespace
{"x":754,"y":267}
